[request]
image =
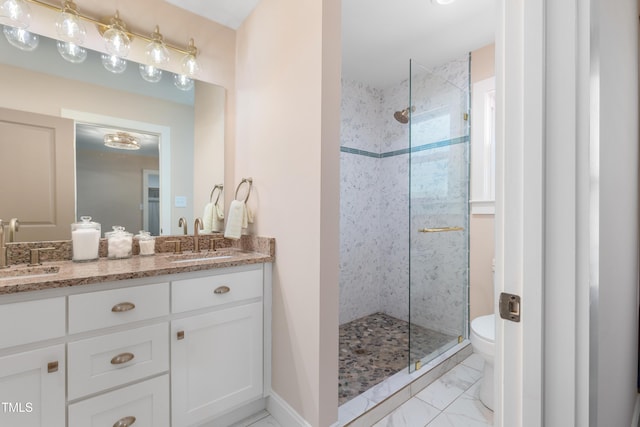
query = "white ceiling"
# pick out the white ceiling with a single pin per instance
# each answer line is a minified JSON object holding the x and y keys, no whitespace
{"x":380,"y":36}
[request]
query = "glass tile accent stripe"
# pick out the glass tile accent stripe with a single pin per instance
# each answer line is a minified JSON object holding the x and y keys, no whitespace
{"x":430,"y":146}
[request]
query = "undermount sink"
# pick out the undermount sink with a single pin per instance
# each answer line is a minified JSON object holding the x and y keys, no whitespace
{"x":28,"y":272}
{"x":203,"y":256}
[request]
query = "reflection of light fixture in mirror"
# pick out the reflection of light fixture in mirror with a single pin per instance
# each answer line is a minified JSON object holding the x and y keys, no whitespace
{"x":72,"y":52}
{"x":114,"y":63}
{"x":116,"y":40}
{"x":15,"y":13}
{"x":68,"y":24}
{"x":442,"y":2}
{"x":21,"y":38}
{"x":182,"y":82}
{"x":150,"y":73}
{"x":156,"y":52}
{"x":190,"y":64}
{"x":121,"y":140}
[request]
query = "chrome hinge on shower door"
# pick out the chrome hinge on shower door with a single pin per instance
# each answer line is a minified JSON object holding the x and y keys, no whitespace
{"x":509,"y":306}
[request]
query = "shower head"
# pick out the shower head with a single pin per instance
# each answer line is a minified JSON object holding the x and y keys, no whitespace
{"x":403,"y":116}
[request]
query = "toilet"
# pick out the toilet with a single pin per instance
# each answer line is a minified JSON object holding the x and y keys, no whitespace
{"x":483,"y":342}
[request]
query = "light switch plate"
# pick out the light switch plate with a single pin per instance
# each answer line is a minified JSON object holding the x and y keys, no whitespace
{"x":181,"y":201}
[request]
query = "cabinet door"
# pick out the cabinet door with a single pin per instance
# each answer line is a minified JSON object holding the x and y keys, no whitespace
{"x":32,"y":388}
{"x":216,"y":362}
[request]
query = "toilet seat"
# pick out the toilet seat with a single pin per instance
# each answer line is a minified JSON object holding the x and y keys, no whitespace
{"x":483,"y":333}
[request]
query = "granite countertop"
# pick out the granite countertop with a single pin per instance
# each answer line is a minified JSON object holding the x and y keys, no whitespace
{"x":69,"y":273}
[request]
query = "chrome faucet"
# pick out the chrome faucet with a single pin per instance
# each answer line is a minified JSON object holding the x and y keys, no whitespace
{"x":3,"y":247}
{"x":196,"y":239}
{"x":182,"y":222}
{"x":14,"y":225}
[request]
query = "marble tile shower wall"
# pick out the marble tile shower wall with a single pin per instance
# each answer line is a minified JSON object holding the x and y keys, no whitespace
{"x":374,"y":223}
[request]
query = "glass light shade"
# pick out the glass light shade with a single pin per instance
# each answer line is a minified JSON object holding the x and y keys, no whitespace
{"x":72,"y":52}
{"x":190,"y":66}
{"x":116,"y":40}
{"x":69,"y":27}
{"x":156,"y":51}
{"x":114,"y":63}
{"x":182,"y":82}
{"x":15,"y":13}
{"x":150,"y":73}
{"x":122,"y":141}
{"x":21,"y":38}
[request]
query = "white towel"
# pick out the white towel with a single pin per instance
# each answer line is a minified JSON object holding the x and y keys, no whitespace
{"x":235,"y":220}
{"x":219,"y":211}
{"x":208,"y":218}
{"x":247,"y":216}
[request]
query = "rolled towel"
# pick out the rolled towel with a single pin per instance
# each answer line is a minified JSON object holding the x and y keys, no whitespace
{"x":234,"y":220}
{"x":207,"y":218}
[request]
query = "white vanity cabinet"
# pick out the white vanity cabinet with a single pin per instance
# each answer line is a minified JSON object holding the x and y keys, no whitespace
{"x":217,"y":349}
{"x":32,"y":382}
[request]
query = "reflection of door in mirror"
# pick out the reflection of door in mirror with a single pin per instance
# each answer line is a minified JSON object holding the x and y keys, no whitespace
{"x":36,"y":175}
{"x":151,"y":201}
{"x":110,"y":181}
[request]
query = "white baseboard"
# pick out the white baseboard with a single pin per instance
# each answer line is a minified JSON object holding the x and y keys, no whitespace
{"x":284,"y":414}
{"x":635,"y":421}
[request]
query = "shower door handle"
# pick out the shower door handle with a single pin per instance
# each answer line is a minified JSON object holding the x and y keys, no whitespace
{"x":439,"y":230}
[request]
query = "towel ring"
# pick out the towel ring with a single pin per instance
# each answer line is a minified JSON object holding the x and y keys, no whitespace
{"x":248,"y":181}
{"x":219,"y":187}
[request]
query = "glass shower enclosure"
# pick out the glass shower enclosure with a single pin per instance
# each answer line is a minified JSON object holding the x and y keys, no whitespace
{"x":438,"y":117}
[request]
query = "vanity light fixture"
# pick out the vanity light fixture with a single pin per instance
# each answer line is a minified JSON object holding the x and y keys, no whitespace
{"x":156,"y":52}
{"x":21,"y":38}
{"x":15,"y":13}
{"x":122,"y":140}
{"x":190,"y":66}
{"x":442,"y":2}
{"x":68,"y":25}
{"x":116,"y":39}
{"x":113,"y":63}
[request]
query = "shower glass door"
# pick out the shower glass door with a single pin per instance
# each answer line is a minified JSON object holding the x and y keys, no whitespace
{"x":439,"y":213}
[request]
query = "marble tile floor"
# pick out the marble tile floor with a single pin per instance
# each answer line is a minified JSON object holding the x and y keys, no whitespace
{"x":375,"y":347}
{"x":450,"y":401}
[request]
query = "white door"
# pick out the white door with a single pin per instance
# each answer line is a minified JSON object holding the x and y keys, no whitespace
{"x":216,"y":362}
{"x":32,"y":388}
{"x":519,"y":210}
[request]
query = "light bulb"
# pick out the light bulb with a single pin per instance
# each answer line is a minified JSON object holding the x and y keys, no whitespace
{"x":150,"y":73}
{"x":182,"y":82}
{"x":156,"y":52}
{"x":69,"y":26}
{"x":114,"y":63}
{"x":72,"y":52}
{"x":21,"y":38}
{"x":116,"y":40}
{"x":15,"y":13}
{"x":190,"y":66}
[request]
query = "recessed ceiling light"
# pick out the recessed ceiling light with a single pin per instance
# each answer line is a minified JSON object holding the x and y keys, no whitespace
{"x":442,"y":2}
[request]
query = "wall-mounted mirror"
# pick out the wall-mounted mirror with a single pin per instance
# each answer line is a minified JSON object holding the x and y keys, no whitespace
{"x":47,"y":180}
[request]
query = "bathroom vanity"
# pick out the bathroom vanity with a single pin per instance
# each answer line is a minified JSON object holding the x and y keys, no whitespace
{"x":165,"y":340}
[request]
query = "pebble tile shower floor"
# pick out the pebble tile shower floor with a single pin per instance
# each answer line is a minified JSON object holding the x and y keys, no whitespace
{"x":375,"y":347}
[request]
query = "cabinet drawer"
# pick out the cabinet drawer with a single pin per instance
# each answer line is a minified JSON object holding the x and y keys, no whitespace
{"x":31,"y":321}
{"x":111,"y":360}
{"x":191,"y":294}
{"x":146,"y":404}
{"x":102,"y":309}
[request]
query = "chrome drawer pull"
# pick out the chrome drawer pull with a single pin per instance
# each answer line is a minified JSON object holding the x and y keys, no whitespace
{"x":52,"y":367}
{"x":125,"y":422}
{"x":222,"y":290}
{"x":123,"y":306}
{"x":122,"y":358}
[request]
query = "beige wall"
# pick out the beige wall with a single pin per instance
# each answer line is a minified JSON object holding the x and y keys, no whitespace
{"x":481,"y":237}
{"x":110,"y":187}
{"x":288,"y":97}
